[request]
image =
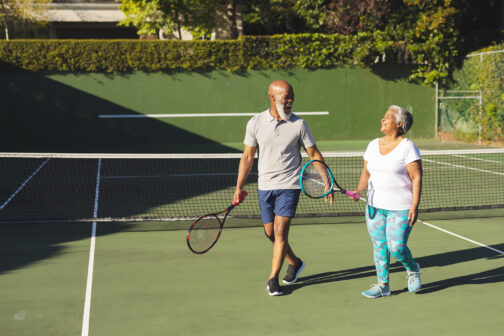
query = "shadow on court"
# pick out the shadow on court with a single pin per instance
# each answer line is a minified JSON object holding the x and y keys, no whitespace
{"x":436,"y":260}
{"x":40,"y":114}
{"x":491,"y":276}
{"x":25,"y":244}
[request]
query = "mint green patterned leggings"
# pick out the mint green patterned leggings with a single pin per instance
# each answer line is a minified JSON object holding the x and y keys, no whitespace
{"x":389,"y":231}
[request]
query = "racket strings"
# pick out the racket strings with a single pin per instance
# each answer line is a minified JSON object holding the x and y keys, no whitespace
{"x":316,"y":179}
{"x":204,"y":233}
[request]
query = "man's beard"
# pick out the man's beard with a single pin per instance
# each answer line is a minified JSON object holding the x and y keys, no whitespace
{"x":281,"y":111}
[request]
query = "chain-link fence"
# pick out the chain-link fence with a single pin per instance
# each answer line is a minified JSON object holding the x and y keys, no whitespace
{"x":471,"y":107}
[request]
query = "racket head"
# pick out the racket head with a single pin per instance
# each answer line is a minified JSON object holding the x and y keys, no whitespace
{"x":204,"y":233}
{"x":316,"y":179}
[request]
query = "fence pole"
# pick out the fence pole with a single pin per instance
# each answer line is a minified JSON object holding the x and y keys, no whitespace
{"x":436,"y":110}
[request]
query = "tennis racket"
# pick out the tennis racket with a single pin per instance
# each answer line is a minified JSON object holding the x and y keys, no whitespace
{"x":317,"y":181}
{"x":206,"y":230}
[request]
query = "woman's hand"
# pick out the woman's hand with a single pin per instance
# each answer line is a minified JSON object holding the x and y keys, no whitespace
{"x":412,"y":216}
{"x":358,"y":192}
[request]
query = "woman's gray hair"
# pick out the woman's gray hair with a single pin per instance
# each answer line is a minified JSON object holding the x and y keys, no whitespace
{"x":402,"y":116}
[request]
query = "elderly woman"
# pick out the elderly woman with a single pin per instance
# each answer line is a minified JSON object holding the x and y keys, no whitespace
{"x":393,"y":175}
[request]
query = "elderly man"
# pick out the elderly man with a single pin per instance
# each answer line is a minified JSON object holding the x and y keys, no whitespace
{"x":278,"y":134}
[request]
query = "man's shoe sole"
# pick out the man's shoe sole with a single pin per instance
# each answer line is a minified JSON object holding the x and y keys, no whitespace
{"x":274,"y":293}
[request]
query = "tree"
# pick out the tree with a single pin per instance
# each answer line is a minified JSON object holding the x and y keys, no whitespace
{"x":29,"y":13}
{"x":312,"y":12}
{"x":481,"y":23}
{"x":152,"y":16}
{"x":352,"y":16}
{"x":427,"y":30}
{"x":228,"y":18}
{"x":267,"y":17}
{"x":430,"y":30}
{"x":194,"y":15}
{"x":145,"y":15}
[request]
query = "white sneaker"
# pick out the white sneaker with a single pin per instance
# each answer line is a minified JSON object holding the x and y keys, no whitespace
{"x":414,"y":281}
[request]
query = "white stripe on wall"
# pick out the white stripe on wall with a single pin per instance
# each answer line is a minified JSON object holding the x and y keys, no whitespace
{"x":194,"y":115}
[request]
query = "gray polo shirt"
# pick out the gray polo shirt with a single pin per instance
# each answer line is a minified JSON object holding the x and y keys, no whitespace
{"x":279,"y":145}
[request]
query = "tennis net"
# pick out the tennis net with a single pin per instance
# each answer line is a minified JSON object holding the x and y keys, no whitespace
{"x":172,"y":187}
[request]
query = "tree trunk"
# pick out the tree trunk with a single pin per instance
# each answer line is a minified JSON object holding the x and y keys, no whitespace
{"x":229,"y":22}
{"x":6,"y":27}
{"x":178,"y":27}
{"x":233,"y":30}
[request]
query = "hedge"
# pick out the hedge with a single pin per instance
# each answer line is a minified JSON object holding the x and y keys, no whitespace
{"x":249,"y":52}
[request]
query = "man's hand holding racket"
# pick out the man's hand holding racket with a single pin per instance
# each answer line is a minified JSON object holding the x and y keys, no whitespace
{"x":329,"y":193}
{"x":239,"y":196}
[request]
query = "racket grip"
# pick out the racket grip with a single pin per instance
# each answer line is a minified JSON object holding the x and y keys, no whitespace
{"x":241,"y":198}
{"x":353,"y":195}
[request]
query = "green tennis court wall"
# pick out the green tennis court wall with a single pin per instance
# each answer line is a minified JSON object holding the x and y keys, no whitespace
{"x":37,"y":107}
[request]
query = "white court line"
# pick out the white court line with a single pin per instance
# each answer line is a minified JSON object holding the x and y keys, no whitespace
{"x":461,"y":237}
{"x":23,"y":185}
{"x":465,"y":167}
{"x":478,"y":159}
{"x":89,"y":283}
{"x":195,"y":115}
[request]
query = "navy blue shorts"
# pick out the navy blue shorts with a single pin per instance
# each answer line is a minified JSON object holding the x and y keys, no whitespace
{"x":282,"y":202}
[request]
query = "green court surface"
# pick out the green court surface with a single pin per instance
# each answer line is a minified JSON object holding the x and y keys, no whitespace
{"x":147,"y":282}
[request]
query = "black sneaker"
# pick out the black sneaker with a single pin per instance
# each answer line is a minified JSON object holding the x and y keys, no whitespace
{"x":293,"y":272}
{"x":274,"y":288}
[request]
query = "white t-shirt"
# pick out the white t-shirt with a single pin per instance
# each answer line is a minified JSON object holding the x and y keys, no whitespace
{"x":389,"y":185}
{"x":279,"y":144}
